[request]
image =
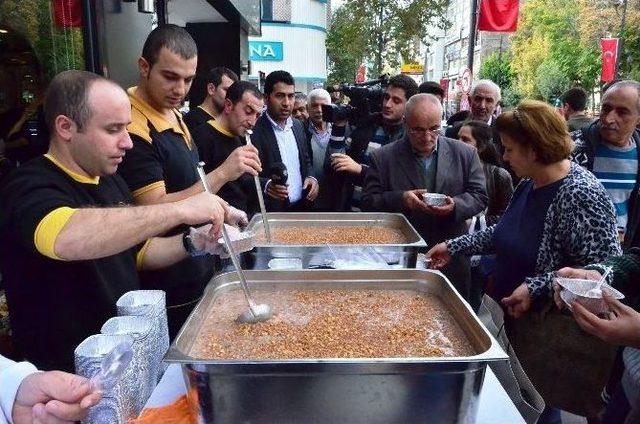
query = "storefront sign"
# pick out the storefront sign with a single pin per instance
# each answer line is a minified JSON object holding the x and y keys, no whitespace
{"x":265,"y":50}
{"x":412,"y":68}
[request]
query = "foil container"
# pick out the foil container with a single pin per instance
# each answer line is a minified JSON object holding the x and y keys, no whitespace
{"x":575,"y":289}
{"x":140,"y":378}
{"x":88,"y":357}
{"x":434,"y":199}
{"x":151,"y":304}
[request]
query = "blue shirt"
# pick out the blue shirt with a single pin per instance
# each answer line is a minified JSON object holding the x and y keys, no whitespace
{"x":290,"y":157}
{"x":517,"y":237}
{"x":617,"y":168}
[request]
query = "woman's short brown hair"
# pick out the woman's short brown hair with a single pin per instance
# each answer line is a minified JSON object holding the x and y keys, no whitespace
{"x":538,"y":125}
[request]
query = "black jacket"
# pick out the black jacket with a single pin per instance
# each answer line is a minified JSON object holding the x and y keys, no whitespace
{"x":354,"y":143}
{"x":586,"y":142}
{"x":265,"y":141}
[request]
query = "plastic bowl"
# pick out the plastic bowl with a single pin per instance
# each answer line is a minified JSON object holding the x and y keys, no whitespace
{"x":434,"y":199}
{"x":575,"y":289}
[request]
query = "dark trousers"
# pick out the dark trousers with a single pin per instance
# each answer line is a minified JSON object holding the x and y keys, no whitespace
{"x":459,"y":273}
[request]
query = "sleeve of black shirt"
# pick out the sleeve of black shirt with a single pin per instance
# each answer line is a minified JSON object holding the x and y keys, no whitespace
{"x":141,"y":167}
{"x":27,"y":199}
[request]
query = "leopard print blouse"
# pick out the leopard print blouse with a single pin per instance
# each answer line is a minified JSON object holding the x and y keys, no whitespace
{"x":579,"y":229}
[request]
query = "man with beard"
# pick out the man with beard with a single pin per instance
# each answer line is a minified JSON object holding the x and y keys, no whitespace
{"x":350,"y":155}
{"x":218,"y":82}
{"x":219,"y":138}
{"x":282,"y":144}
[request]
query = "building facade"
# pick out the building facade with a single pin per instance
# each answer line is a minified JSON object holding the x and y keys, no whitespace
{"x":293,"y":39}
{"x":447,"y":57}
{"x":40,"y":38}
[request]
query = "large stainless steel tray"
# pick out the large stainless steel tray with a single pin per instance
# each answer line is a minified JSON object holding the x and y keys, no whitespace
{"x":398,"y":255}
{"x":388,"y":390}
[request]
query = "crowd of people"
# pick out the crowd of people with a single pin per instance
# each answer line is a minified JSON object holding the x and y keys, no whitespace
{"x":116,"y":203}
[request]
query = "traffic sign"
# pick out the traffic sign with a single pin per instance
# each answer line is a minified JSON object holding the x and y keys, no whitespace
{"x":464,"y":102}
{"x":467,"y":81}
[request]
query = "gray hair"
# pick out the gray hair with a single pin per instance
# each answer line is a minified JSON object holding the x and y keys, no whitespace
{"x":487,"y":83}
{"x":419,"y":99}
{"x":625,"y":84}
{"x":301,"y":97}
{"x":319,"y":94}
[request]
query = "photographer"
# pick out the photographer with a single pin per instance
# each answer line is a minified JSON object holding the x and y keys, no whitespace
{"x":348,"y":156}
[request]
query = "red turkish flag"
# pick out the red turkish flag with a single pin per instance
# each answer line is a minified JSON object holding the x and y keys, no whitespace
{"x":361,"y":74}
{"x":609,"y":58}
{"x":67,"y":13}
{"x":498,"y":15}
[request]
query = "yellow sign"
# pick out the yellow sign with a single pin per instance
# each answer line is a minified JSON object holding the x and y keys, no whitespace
{"x":412,"y":68}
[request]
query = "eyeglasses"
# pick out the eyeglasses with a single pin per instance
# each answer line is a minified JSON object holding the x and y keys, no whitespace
{"x":424,"y":131}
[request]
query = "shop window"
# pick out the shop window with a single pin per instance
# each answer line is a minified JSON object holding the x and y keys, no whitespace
{"x":276,"y":10}
{"x":38,"y":39}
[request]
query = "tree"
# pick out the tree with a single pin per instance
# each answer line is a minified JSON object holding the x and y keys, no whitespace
{"x":57,"y":49}
{"x":564,"y":36}
{"x":551,"y":80}
{"x":344,"y":56}
{"x":380,"y":32}
{"x":497,"y":68}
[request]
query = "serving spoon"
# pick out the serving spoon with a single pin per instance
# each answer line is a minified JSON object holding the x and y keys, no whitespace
{"x":257,"y":312}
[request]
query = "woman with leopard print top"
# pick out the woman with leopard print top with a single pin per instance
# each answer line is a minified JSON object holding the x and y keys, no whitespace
{"x":559,"y":215}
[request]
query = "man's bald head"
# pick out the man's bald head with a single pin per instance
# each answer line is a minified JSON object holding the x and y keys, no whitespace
{"x":68,"y":95}
{"x":422,"y":102}
{"x":422,"y":119}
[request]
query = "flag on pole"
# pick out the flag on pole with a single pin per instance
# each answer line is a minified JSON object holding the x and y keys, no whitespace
{"x":67,"y":13}
{"x":498,"y":15}
{"x":609,"y":58}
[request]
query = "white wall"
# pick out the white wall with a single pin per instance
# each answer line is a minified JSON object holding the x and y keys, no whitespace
{"x":304,"y":49}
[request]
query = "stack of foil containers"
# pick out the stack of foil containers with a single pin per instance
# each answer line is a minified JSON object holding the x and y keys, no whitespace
{"x":141,"y":320}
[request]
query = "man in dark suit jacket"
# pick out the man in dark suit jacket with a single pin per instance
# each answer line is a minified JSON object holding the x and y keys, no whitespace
{"x":280,"y":139}
{"x":423,"y":161}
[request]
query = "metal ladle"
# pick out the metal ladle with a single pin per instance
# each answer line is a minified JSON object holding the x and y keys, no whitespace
{"x":256,"y":180}
{"x":257,"y":312}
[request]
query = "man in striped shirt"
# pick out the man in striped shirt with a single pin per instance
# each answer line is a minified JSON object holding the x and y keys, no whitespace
{"x":608,"y":148}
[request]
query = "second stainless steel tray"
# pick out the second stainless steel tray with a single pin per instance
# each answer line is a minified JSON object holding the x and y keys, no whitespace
{"x":399,"y":255}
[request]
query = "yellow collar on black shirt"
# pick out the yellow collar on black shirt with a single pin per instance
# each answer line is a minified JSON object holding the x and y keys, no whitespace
{"x":215,"y":124}
{"x":157,"y":120}
{"x":77,"y":177}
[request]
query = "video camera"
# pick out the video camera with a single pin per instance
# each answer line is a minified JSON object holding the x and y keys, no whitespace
{"x":365,"y":100}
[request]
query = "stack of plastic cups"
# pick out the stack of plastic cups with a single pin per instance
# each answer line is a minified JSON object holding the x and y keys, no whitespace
{"x":88,"y":358}
{"x":150,"y":304}
{"x":138,"y":381}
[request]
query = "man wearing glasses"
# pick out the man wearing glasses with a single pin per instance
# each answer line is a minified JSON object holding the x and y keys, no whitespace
{"x":426,"y":162}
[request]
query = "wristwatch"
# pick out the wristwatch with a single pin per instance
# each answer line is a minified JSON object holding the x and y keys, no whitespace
{"x":189,"y":247}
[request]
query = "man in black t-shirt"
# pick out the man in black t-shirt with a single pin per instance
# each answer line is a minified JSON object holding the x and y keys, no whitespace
{"x":69,"y":242}
{"x":161,"y":166}
{"x":220,"y":138}
{"x":218,"y":82}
